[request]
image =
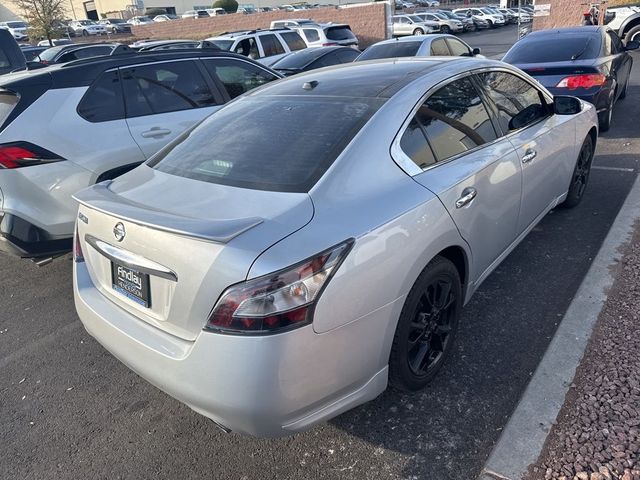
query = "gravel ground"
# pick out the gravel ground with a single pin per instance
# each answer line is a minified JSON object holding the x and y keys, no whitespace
{"x":597,"y":434}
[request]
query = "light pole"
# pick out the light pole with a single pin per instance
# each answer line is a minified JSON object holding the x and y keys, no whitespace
{"x":73,"y":10}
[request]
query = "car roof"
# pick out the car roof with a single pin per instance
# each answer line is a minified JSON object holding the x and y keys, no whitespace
{"x":593,"y":29}
{"x":369,"y":79}
{"x":308,"y":55}
{"x":412,"y":38}
{"x":83,"y":72}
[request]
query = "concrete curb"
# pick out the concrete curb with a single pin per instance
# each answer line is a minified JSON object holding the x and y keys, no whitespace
{"x":522,"y":440}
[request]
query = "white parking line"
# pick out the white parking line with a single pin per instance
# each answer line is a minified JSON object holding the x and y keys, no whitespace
{"x":613,"y":169}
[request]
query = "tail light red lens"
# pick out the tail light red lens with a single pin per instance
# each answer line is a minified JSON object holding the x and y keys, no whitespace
{"x":280,"y":301}
{"x":24,"y":154}
{"x":78,"y":256}
{"x":587,"y":80}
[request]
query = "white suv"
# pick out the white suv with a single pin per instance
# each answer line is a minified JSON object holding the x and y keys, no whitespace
{"x":326,"y":34}
{"x":17,"y":29}
{"x":493,"y":19}
{"x":69,"y":126}
{"x":265,"y":46}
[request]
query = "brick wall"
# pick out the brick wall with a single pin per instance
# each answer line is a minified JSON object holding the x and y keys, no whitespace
{"x":367,"y":22}
{"x":564,"y":13}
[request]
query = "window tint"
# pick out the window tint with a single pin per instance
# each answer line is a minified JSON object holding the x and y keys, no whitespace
{"x":518,"y":103}
{"x":103,"y":100}
{"x":311,"y":34}
{"x":293,"y":41}
{"x":346,"y":55}
{"x":264,"y":142}
{"x":339,"y":33}
{"x":439,"y":48}
{"x":238,"y":77}
{"x":390,"y":50}
{"x":248,"y":47}
{"x":455,"y":119}
{"x":271,"y":45}
{"x":551,"y":48}
{"x":165,"y":87}
{"x":84,"y":53}
{"x":457,"y":48}
{"x":327,"y":60}
{"x":414,"y":144}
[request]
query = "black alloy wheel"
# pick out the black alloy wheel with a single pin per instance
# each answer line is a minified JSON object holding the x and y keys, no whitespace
{"x":580,"y":176}
{"x":427,"y":326}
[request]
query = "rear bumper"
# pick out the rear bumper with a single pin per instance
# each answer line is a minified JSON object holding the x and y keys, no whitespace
{"x":265,"y":386}
{"x":20,"y":238}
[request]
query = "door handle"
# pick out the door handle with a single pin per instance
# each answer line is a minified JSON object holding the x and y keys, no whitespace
{"x":468,"y":194}
{"x":155,"y":132}
{"x":529,"y":155}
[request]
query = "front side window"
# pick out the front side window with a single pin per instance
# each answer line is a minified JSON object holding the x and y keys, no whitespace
{"x":517,"y":102}
{"x":238,"y":76}
{"x":458,"y":49}
{"x":263,"y":142}
{"x":165,"y":87}
{"x":455,"y":120}
{"x":270,"y":45}
{"x":103,"y":101}
{"x":439,"y":48}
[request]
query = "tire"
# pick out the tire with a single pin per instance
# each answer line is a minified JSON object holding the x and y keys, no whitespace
{"x":418,"y":31}
{"x":491,"y":24}
{"x":114,"y":31}
{"x":604,"y":119}
{"x":580,"y":175}
{"x":423,"y":339}
{"x":623,"y":94}
{"x":85,"y":33}
{"x":445,"y":29}
{"x":632,"y":34}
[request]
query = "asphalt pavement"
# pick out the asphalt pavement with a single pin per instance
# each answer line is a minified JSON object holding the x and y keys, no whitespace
{"x":69,"y":410}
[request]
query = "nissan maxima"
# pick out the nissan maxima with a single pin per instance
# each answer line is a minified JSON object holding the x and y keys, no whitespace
{"x":315,"y":240}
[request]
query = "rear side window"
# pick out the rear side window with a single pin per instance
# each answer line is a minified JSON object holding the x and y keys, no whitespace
{"x":552,"y":48}
{"x":347,"y":55}
{"x":293,"y":41}
{"x":455,"y":120}
{"x":439,"y":48}
{"x":311,"y":35}
{"x":339,"y":33}
{"x":264,"y":143}
{"x":414,"y":144}
{"x":103,"y":100}
{"x":84,"y":53}
{"x":165,"y":87}
{"x":248,"y":47}
{"x":238,"y":77}
{"x":517,"y":102}
{"x":271,"y":45}
{"x":390,"y":50}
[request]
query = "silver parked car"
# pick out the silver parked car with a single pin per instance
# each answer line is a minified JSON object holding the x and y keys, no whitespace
{"x":429,"y":45}
{"x":316,"y":239}
{"x":412,"y":25}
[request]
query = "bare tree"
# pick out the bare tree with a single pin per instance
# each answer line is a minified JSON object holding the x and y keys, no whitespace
{"x":44,"y":17}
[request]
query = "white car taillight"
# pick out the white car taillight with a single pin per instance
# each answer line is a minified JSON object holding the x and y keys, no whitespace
{"x":280,"y":301}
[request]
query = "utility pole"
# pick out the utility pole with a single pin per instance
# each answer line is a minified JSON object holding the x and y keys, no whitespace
{"x":518,"y":32}
{"x":73,"y":10}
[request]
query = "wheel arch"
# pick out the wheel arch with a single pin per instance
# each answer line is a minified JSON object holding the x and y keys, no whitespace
{"x":629,"y":22}
{"x":593,"y":133}
{"x":458,"y":256}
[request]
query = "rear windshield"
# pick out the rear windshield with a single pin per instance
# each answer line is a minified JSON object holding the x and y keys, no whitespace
{"x":339,"y":33}
{"x":16,"y":25}
{"x":390,"y":50}
{"x":281,"y":143}
{"x":552,"y":49}
{"x":222,"y":44}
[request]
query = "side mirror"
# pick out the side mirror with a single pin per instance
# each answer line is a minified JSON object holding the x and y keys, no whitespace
{"x":632,"y":45}
{"x":564,"y":105}
{"x":475,"y":51}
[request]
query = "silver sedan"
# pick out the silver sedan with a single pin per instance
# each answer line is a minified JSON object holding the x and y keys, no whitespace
{"x":314,"y":241}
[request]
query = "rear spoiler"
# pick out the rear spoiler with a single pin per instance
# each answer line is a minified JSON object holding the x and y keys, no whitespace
{"x":99,"y":197}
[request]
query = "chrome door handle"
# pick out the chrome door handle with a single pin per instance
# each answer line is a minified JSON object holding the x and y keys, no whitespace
{"x":468,"y":194}
{"x":529,"y":155}
{"x":155,"y":132}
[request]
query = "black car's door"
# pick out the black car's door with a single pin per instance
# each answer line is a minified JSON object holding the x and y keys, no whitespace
{"x":11,"y":57}
{"x":619,"y":61}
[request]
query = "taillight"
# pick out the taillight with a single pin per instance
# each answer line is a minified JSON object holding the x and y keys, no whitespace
{"x":585,"y":80}
{"x":78,"y":256}
{"x":24,"y":154}
{"x":280,"y":301}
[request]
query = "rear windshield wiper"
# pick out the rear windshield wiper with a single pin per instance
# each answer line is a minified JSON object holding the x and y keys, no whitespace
{"x":581,"y":52}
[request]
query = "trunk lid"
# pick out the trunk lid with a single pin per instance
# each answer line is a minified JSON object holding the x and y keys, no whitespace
{"x":550,"y":74}
{"x":189,"y":239}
